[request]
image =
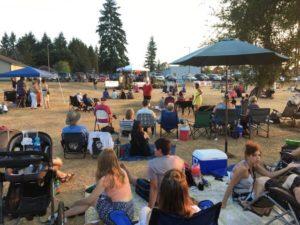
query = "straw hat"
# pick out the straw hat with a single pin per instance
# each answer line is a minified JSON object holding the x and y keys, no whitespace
{"x":72,"y":117}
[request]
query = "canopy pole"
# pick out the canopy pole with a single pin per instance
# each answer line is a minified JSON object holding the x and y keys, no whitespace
{"x":226,"y":116}
{"x":41,"y":89}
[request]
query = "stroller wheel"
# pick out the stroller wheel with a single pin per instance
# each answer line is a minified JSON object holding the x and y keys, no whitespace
{"x":60,"y":214}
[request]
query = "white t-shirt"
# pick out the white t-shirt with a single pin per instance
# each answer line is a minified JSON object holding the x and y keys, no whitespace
{"x":105,"y":139}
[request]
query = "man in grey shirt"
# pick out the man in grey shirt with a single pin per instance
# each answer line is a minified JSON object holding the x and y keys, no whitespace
{"x":157,"y":167}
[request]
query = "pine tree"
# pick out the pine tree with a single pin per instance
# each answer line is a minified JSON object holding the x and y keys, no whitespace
{"x":112,"y":41}
{"x":151,"y":55}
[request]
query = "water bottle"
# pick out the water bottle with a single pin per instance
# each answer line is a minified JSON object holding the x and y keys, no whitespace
{"x":28,"y":169}
{"x":56,"y":186}
{"x":37,"y":143}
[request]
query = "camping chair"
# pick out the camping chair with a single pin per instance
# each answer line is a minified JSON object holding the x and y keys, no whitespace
{"x":101,"y":119}
{"x":257,"y":119}
{"x":119,"y":217}
{"x":209,"y":216}
{"x":126,"y":127}
{"x":219,"y":119}
{"x":169,"y":123}
{"x":74,"y":143}
{"x":202,"y":121}
{"x":10,"y":96}
{"x":290,"y":112}
{"x":147,"y":120}
{"x":74,"y":104}
{"x":283,"y":203}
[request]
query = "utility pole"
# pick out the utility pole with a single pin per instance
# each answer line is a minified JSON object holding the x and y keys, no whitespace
{"x":48,"y":57}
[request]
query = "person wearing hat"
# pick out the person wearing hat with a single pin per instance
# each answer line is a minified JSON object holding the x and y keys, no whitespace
{"x":105,"y":107}
{"x":72,"y":120}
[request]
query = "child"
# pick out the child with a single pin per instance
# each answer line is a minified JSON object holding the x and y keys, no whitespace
{"x":106,"y":94}
{"x":112,"y":191}
{"x":114,"y":94}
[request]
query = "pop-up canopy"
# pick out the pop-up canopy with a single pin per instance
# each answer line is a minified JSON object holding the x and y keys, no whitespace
{"x":132,"y":68}
{"x":28,"y":72}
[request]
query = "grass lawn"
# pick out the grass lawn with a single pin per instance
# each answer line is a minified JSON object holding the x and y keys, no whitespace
{"x":52,"y":121}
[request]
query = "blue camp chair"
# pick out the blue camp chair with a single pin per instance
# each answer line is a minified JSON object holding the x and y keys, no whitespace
{"x":119,"y":217}
{"x":169,"y":123}
{"x":207,"y":216}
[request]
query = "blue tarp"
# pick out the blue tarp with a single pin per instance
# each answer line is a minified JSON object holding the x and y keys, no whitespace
{"x":28,"y":72}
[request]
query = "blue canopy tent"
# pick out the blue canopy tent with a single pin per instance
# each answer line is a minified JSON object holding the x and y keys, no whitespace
{"x":31,"y":72}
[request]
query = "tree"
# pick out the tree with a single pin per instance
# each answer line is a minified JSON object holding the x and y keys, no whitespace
{"x":80,"y":56}
{"x":60,"y":50}
{"x":112,"y":41}
{"x":5,"y":45}
{"x":273,"y":24}
{"x":27,"y":48}
{"x":62,"y":66}
{"x":151,"y":55}
{"x":41,"y":56}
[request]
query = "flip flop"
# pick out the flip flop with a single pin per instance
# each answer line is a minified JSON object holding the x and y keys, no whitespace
{"x":66,"y":178}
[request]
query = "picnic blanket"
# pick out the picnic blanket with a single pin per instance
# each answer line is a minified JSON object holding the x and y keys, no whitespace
{"x":232,"y":214}
{"x":125,"y":156}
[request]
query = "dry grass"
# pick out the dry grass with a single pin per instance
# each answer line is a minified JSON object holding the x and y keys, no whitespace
{"x":52,"y":121}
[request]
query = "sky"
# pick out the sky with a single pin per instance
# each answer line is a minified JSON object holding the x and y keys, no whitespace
{"x":177,"y":26}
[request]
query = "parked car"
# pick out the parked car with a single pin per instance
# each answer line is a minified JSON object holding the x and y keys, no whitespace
{"x":159,"y":77}
{"x":170,"y":78}
{"x":64,"y":76}
{"x":215,"y":77}
{"x":103,"y":78}
{"x":114,"y":76}
{"x":189,"y":77}
{"x":201,"y":76}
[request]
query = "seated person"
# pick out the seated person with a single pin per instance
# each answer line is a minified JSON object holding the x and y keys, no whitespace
{"x":123,"y":94}
{"x":71,"y":120}
{"x":180,"y":96}
{"x":161,"y":104}
{"x":146,"y":110}
{"x":169,"y":99}
{"x":130,"y":94}
{"x":106,"y":108}
{"x":129,"y":118}
{"x":169,"y":111}
{"x":61,"y":176}
{"x":157,"y":167}
{"x":139,"y":141}
{"x":112,"y":191}
{"x":245,"y":119}
{"x":87,"y":100}
{"x":173,"y":197}
{"x":105,"y":94}
{"x":292,"y":183}
{"x":114,"y":94}
{"x":232,"y":93}
{"x":243,"y":184}
{"x":80,"y":99}
{"x":222,"y":105}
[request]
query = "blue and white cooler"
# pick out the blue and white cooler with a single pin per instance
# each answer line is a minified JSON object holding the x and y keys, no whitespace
{"x":212,"y":161}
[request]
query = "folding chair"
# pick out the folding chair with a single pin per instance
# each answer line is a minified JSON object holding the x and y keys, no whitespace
{"x":257,"y":119}
{"x":169,"y":123}
{"x":147,"y":120}
{"x":75,"y":144}
{"x":74,"y":104}
{"x":126,"y":126}
{"x":101,"y":119}
{"x":202,"y":121}
{"x":209,"y":216}
{"x":219,"y":118}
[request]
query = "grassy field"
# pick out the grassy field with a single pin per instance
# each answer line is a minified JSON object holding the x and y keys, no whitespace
{"x":52,"y":121}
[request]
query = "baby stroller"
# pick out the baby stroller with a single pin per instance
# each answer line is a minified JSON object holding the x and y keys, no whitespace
{"x":27,"y":168}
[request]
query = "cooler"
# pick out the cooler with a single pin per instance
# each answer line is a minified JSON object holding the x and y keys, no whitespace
{"x":184,"y":132}
{"x":210,"y":160}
